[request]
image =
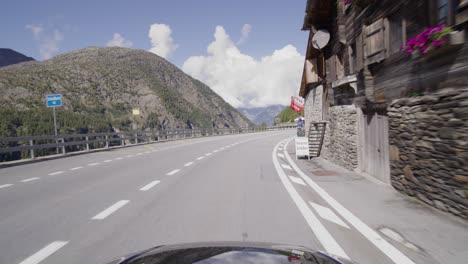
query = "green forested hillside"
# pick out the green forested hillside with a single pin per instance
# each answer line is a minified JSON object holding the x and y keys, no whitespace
{"x":287,"y":115}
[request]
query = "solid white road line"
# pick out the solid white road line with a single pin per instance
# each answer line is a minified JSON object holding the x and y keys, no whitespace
{"x":94,"y":164}
{"x":280,"y":155}
{"x":394,"y":254}
{"x":107,"y":161}
{"x":45,"y":252}
{"x":110,"y":210}
{"x":297,"y":180}
{"x":286,"y":166}
{"x":173,"y":172}
{"x":200,"y":158}
{"x":76,"y":168}
{"x":327,"y":214}
{"x":188,"y":164}
{"x":30,"y":179}
{"x":322,"y":234}
{"x":208,"y":154}
{"x":5,"y":185}
{"x":55,"y":173}
{"x":149,"y":185}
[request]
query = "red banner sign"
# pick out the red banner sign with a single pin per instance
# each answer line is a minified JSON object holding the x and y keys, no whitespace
{"x":297,"y":104}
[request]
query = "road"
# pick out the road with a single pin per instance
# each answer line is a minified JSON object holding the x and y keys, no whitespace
{"x":95,"y":207}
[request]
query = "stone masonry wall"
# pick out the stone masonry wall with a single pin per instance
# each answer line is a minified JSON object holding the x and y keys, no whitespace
{"x":429,"y":149}
{"x":340,"y":142}
{"x":313,"y":107}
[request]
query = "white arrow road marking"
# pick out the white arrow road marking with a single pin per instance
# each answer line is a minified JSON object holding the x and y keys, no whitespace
{"x":55,"y":173}
{"x":388,"y":249}
{"x":286,"y":166}
{"x":328,"y":214}
{"x":173,"y":172}
{"x":76,"y":168}
{"x":149,"y":186}
{"x":30,"y":179}
{"x":322,"y":234}
{"x":5,"y":185}
{"x":110,"y":210}
{"x":45,"y":252}
{"x":188,"y":164}
{"x":297,"y":180}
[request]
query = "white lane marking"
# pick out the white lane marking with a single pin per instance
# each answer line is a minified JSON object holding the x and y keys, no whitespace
{"x":119,"y":158}
{"x":129,"y":156}
{"x":44,"y":252}
{"x":94,"y":164}
{"x":394,"y":254}
{"x":172,"y":172}
{"x":200,"y":158}
{"x":322,"y":234}
{"x":297,"y":180}
{"x":221,"y":149}
{"x":138,"y":154}
{"x":280,"y":155}
{"x":110,"y":210}
{"x":149,"y":186}
{"x":188,"y":164}
{"x":147,"y":152}
{"x":208,"y":154}
{"x":107,"y":161}
{"x":30,"y":179}
{"x":327,"y":214}
{"x":76,"y":168}
{"x":214,"y":151}
{"x":5,"y":185}
{"x":55,"y":173}
{"x":286,"y":166}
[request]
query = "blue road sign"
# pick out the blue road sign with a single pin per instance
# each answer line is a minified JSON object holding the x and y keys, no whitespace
{"x":54,"y":100}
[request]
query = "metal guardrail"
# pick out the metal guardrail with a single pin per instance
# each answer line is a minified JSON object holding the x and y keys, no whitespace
{"x":29,"y":147}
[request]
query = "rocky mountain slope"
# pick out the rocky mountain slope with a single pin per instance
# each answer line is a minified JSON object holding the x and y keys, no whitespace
{"x":100,"y":87}
{"x":10,"y":57}
{"x":261,"y":115}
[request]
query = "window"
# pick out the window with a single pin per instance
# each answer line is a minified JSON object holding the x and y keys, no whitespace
{"x":396,"y":33}
{"x":444,"y":11}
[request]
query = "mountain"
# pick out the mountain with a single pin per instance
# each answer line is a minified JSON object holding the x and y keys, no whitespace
{"x":259,"y":115}
{"x":10,"y":57}
{"x":100,"y":87}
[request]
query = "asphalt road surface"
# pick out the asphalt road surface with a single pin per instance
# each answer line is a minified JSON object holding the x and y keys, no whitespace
{"x":93,"y":208}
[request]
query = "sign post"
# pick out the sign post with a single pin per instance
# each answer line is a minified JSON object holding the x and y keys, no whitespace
{"x":302,"y":147}
{"x":54,"y":100}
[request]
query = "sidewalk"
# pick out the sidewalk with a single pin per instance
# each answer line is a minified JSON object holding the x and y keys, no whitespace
{"x":404,"y":222}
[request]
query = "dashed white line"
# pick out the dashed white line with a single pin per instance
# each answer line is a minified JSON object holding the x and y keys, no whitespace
{"x":286,"y":166}
{"x":208,"y":154}
{"x":221,"y":149}
{"x":173,"y":172}
{"x":188,"y":164}
{"x":76,"y":168}
{"x":44,"y":252}
{"x":147,"y":152}
{"x":107,"y":161}
{"x":214,"y":151}
{"x":94,"y":164}
{"x":138,"y":154}
{"x":388,"y":249}
{"x":149,"y":186}
{"x":297,"y":180}
{"x":129,"y":156}
{"x":55,"y":173}
{"x":200,"y":158}
{"x":5,"y":185}
{"x":30,"y":179}
{"x":119,"y":158}
{"x":328,"y":214}
{"x":110,"y":210}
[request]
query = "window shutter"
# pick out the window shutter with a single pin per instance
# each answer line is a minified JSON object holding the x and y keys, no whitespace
{"x":311,"y":71}
{"x":359,"y":53}
{"x":332,"y":68}
{"x":374,"y":50}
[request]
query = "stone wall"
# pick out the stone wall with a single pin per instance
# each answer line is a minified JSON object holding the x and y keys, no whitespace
{"x":429,"y":148}
{"x":313,"y":107}
{"x":340,"y":142}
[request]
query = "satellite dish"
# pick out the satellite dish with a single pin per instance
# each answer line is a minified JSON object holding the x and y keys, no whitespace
{"x":320,"y":39}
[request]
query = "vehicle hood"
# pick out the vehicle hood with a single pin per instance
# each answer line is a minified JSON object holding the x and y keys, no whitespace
{"x":229,"y":252}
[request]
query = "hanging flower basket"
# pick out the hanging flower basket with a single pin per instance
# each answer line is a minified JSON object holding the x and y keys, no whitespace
{"x":430,"y":39}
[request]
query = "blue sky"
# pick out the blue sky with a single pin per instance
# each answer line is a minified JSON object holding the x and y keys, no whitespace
{"x":69,"y":25}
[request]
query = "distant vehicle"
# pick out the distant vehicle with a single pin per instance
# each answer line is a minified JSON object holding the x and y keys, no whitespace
{"x":230,"y":252}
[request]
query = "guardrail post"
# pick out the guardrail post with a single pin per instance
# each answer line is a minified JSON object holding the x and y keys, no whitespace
{"x":63,"y":146}
{"x":122,"y":141}
{"x":31,"y":151}
{"x":107,"y":141}
{"x":87,"y":143}
{"x":136,"y":138}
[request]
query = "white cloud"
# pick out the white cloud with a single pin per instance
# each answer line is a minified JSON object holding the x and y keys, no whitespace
{"x":244,"y":81}
{"x":162,"y":43}
{"x":48,"y":40}
{"x":245,"y":31}
{"x":119,"y":41}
